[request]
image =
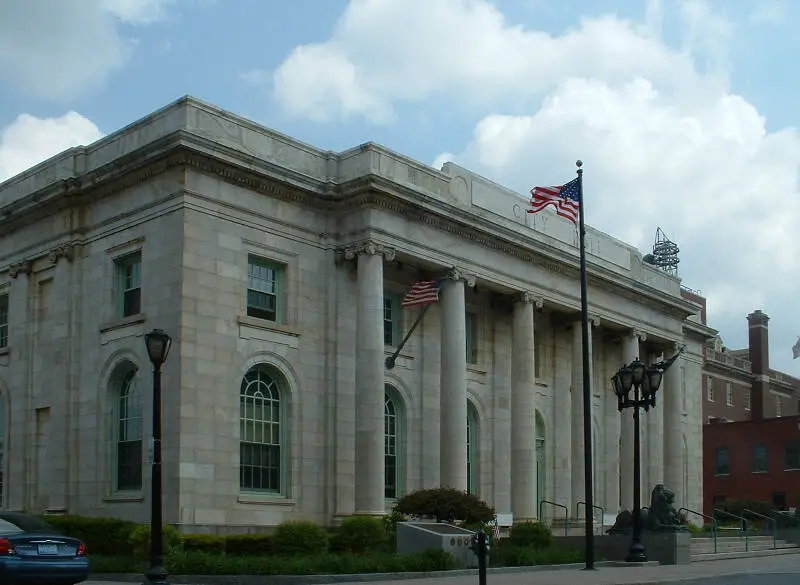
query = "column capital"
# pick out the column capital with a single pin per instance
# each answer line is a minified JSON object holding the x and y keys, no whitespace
{"x":594,"y":322}
{"x":370,"y":248}
{"x":527,"y":297}
{"x":456,"y":273}
{"x":676,"y":345}
{"x":639,"y":334}
{"x":66,"y":251}
{"x":25,"y":267}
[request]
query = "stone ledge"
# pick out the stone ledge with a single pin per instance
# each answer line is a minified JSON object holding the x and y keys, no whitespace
{"x":123,"y":498}
{"x":362,"y":578}
{"x":265,"y":500}
{"x":253,"y":328}
{"x":116,"y":324}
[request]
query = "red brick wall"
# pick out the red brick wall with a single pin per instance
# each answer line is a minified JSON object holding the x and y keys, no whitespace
{"x":719,"y":408}
{"x":742,"y":483}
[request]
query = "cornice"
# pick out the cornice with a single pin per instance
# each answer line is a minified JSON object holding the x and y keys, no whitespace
{"x":703,"y":332}
{"x":177,"y":151}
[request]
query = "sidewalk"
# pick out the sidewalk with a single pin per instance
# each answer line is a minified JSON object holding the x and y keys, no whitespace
{"x":664,"y":575}
{"x":667,"y":574}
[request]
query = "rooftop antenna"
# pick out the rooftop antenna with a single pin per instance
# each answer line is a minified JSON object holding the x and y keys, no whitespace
{"x":665,"y":253}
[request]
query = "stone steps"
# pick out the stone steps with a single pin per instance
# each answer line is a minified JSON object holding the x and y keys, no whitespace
{"x":733,"y":547}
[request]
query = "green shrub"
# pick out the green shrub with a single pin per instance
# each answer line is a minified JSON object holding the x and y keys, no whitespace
{"x":248,"y":544}
{"x":445,"y":505}
{"x":139,"y":540}
{"x":209,"y":543}
{"x":517,"y":556}
{"x":359,"y":535}
{"x":199,"y":563}
{"x":102,"y":535}
{"x":299,"y":538}
{"x":531,"y":535}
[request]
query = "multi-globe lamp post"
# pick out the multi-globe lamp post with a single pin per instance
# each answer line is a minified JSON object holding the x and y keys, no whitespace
{"x":636,"y":386}
{"x":157,"y":343}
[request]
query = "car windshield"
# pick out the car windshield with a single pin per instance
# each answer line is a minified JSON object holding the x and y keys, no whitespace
{"x":13,"y":524}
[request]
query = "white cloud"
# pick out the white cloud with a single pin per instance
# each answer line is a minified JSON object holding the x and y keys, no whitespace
{"x":28,"y":140}
{"x":664,"y":140}
{"x":59,"y":49}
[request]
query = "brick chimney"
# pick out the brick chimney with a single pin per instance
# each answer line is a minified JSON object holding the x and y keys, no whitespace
{"x":758,"y":334}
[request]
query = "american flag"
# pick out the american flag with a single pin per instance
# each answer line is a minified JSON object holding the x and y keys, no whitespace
{"x":496,"y":532}
{"x":422,"y":293}
{"x":564,"y":198}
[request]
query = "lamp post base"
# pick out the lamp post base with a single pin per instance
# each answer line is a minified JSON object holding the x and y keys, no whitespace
{"x":157,"y":575}
{"x":636,"y":554}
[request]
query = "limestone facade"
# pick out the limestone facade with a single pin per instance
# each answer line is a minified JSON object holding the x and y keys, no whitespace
{"x":278,"y":270}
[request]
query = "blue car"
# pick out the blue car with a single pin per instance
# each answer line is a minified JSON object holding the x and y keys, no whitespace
{"x":33,"y":553}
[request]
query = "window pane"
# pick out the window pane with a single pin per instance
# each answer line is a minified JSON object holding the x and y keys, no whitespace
{"x":260,"y":440}
{"x":3,"y":320}
{"x":390,"y":453}
{"x":129,"y":435}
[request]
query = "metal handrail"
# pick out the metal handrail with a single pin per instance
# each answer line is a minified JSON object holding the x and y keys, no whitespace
{"x":768,"y":519}
{"x":786,"y":516}
{"x":704,"y":517}
{"x":594,"y":507}
{"x":563,"y":507}
{"x":743,"y":527}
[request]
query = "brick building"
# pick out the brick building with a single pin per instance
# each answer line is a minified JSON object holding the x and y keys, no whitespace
{"x":751,"y":435}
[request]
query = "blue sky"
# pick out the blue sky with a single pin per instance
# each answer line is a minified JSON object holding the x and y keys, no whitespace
{"x":683,"y":110}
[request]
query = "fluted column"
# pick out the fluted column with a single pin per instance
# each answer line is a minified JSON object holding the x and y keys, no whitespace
{"x":654,"y":434}
{"x":673,"y":431}
{"x":578,"y":445}
{"x":369,"y":477}
{"x":523,"y":410}
{"x":453,"y":397}
{"x":630,"y":352}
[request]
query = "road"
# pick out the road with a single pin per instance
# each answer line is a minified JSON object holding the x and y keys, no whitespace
{"x":776,"y":570}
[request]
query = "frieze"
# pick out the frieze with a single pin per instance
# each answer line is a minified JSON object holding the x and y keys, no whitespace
{"x":358,"y":193}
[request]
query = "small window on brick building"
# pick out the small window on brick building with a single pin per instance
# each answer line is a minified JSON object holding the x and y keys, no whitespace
{"x":760,"y":459}
{"x":722,"y":463}
{"x":793,"y":455}
{"x":710,"y":389}
{"x":729,"y":394}
{"x":778,"y":406}
{"x":779,"y":500}
{"x":748,"y":400}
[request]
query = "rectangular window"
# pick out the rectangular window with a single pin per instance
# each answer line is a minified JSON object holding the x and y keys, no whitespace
{"x":793,"y":455}
{"x":471,"y":323}
{"x":760,"y":459}
{"x":748,"y":399}
{"x":265,"y":286}
{"x":729,"y":394}
{"x":778,"y":406}
{"x":391,"y":320}
{"x":779,"y":500}
{"x":3,"y":320}
{"x":710,"y":389}
{"x":129,"y":284}
{"x":722,"y":463}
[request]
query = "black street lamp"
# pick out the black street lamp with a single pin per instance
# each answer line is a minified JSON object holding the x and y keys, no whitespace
{"x":644,"y":381}
{"x":158,"y":344}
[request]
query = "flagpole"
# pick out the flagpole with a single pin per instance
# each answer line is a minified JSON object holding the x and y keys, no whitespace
{"x":587,"y":382}
{"x":390,"y":361}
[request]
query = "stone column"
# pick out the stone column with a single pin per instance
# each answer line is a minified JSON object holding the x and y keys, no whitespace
{"x":560,"y":435}
{"x":578,"y":446}
{"x":60,"y":388}
{"x":654,"y":431}
{"x":453,"y":398}
{"x":20,"y":423}
{"x":523,"y":410}
{"x":630,"y":352}
{"x":369,"y":480}
{"x":670,"y":396}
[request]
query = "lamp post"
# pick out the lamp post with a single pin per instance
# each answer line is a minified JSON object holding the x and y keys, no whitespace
{"x":644,"y":381}
{"x":158,"y":344}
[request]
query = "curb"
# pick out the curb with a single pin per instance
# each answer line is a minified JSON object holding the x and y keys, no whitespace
{"x":360,"y":577}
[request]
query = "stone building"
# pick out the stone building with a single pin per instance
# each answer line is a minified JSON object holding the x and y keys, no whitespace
{"x":278,"y":269}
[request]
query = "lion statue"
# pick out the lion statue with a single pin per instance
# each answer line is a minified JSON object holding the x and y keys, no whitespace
{"x":661,"y":516}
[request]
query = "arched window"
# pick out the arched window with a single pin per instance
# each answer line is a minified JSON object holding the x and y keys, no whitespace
{"x":472,"y":449}
{"x":262,"y":444}
{"x":394,"y":443}
{"x":127,"y":396}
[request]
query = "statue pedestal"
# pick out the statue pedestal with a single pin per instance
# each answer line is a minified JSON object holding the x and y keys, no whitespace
{"x":667,"y":548}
